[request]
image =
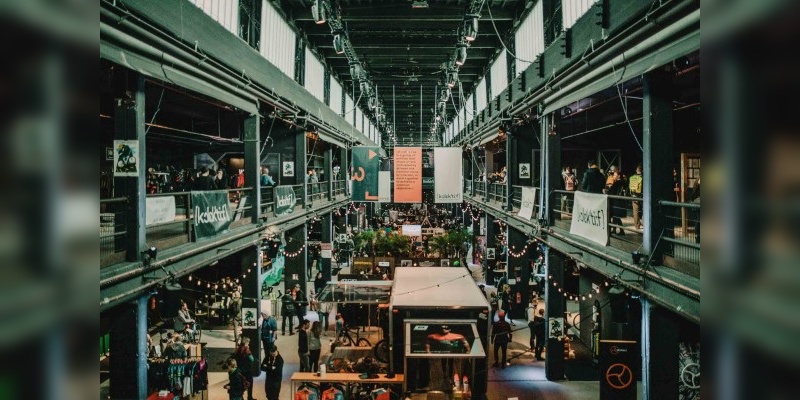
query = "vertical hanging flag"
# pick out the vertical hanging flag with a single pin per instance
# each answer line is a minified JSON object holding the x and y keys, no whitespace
{"x":408,"y":174}
{"x":384,"y":186}
{"x":364,"y":173}
{"x":448,"y":185}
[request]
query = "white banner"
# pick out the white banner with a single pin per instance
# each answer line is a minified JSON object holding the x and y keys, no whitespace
{"x":159,"y":209}
{"x":448,"y":185}
{"x":527,"y":203}
{"x":384,"y":186}
{"x":590,"y":217}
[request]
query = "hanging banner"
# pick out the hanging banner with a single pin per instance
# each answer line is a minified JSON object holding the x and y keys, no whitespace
{"x":364,"y":173}
{"x":448,"y":184}
{"x":617,"y":365}
{"x":159,"y":210}
{"x":407,"y":174}
{"x":527,"y":202}
{"x":284,"y":200}
{"x":126,"y":158}
{"x":212,"y":213}
{"x":589,"y":217}
{"x":384,"y":186}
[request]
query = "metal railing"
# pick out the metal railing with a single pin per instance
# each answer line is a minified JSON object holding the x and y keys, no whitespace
{"x":339,"y":188}
{"x":621,"y":222}
{"x":468,"y":187}
{"x":516,"y":200}
{"x":480,"y":189}
{"x":163,"y":235}
{"x":497,"y":192}
{"x":681,"y":239}
{"x":112,"y":230}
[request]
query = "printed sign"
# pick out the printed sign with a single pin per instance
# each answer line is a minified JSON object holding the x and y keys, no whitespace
{"x":490,"y":253}
{"x":384,"y":186}
{"x":364,"y":175}
{"x":212,"y":213}
{"x":407,"y":174}
{"x":249,"y":318}
{"x":285,"y":200}
{"x":159,"y":210}
{"x":109,"y":154}
{"x":590,"y":217}
{"x":555,"y":328}
{"x":525,"y":170}
{"x":448,"y":184}
{"x":527,"y":202}
{"x":288,"y":168}
{"x":126,"y":158}
{"x":617,"y":363}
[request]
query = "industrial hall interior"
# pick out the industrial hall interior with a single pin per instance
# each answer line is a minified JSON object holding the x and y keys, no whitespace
{"x":399,"y":199}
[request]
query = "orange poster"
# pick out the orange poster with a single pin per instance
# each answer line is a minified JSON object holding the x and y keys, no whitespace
{"x":408,"y":174}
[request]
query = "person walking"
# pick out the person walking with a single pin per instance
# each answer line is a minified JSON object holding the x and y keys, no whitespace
{"x":314,"y":346}
{"x":245,"y":361}
{"x":269,"y":329}
{"x":323,"y":311}
{"x":236,"y":385}
{"x":287,"y":311}
{"x":501,"y":335}
{"x":635,"y":187}
{"x":273,"y":368}
{"x":531,"y":314}
{"x":538,"y":331}
{"x":302,"y":347}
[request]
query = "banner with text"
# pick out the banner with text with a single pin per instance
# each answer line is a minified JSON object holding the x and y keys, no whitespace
{"x":364,"y":173}
{"x":527,"y":203}
{"x":384,"y":186}
{"x":448,"y":185}
{"x":212,"y":213}
{"x":618,"y":369}
{"x":159,"y":210}
{"x":285,"y":200}
{"x":590,"y":217}
{"x":408,"y":174}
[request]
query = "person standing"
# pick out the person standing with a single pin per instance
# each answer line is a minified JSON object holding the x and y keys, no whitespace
{"x":635,"y":187}
{"x":616,"y":187}
{"x":302,"y":347}
{"x":245,"y":361}
{"x":236,"y":382}
{"x":592,"y":180}
{"x":319,"y":283}
{"x":205,"y":181}
{"x":501,"y":335}
{"x":314,"y":346}
{"x":339,"y":325}
{"x":273,"y":367}
{"x":269,"y":328}
{"x":300,"y":302}
{"x":531,"y":314}
{"x":266,"y":180}
{"x":538,"y":332}
{"x":323,"y":311}
{"x":570,"y":184}
{"x":221,"y":180}
{"x":287,"y":311}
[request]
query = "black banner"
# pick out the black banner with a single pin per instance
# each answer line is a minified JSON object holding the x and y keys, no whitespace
{"x":617,"y":375}
{"x":284,"y":200}
{"x":212,"y":213}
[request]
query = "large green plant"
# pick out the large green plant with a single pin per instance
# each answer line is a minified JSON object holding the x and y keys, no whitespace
{"x":365,"y":240}
{"x":449,"y":244}
{"x":392,"y":244}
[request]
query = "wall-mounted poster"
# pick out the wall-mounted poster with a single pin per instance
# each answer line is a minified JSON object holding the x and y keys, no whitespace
{"x":109,"y":154}
{"x":525,"y":170}
{"x":288,"y":168}
{"x":249,"y":318}
{"x":555,"y":327}
{"x":490,"y":253}
{"x":126,"y":158}
{"x":440,"y":337}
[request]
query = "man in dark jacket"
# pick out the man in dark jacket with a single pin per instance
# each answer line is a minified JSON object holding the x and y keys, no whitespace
{"x":235,"y":385}
{"x":273,"y":367}
{"x":287,"y":311}
{"x":269,"y":329}
{"x":538,"y":331}
{"x":593,"y":180}
{"x":205,"y":181}
{"x":302,"y":347}
{"x":501,"y":335}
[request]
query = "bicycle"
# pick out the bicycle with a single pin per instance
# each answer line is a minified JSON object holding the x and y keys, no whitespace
{"x":345,"y":339}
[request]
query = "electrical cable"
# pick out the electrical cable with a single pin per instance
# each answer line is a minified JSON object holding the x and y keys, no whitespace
{"x":500,"y":39}
{"x":158,"y":108}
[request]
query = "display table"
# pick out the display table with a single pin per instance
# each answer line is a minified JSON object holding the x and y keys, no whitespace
{"x":346,"y":378}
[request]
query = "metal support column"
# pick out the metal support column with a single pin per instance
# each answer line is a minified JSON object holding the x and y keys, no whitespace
{"x":128,"y":344}
{"x":657,"y":166}
{"x":328,"y":166}
{"x":552,"y":160}
{"x":251,"y":296}
{"x":301,"y":162}
{"x":518,"y":269}
{"x":344,"y":169}
{"x":476,"y":171}
{"x":491,"y":243}
{"x":512,"y":171}
{"x":327,"y":238}
{"x":660,"y":352}
{"x":252,"y":163}
{"x":554,"y":311}
{"x":129,"y":122}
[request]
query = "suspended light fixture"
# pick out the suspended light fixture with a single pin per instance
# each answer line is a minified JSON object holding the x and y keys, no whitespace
{"x":441,"y":110}
{"x":372,"y":102}
{"x":461,"y":53}
{"x":471,"y":27}
{"x":452,"y":78}
{"x":318,"y":12}
{"x":338,"y":43}
{"x":355,"y":71}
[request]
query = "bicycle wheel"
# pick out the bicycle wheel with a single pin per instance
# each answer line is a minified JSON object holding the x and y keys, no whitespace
{"x":381,"y":351}
{"x":363,"y":342}
{"x":345,"y":340}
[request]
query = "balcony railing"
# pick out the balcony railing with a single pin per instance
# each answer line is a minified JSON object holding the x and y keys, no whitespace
{"x":681,"y":231}
{"x":497,"y":192}
{"x":163,"y":235}
{"x":480,"y":189}
{"x":621,"y":225}
{"x":339,"y":188}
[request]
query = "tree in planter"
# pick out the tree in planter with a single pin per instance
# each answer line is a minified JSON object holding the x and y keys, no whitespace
{"x":450,"y":244}
{"x":392,"y":244}
{"x":365,"y":242}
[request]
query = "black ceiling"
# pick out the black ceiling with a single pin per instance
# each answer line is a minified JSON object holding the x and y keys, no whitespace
{"x":405,"y":47}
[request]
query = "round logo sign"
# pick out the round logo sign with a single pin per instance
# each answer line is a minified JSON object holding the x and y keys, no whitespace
{"x":619,"y":376}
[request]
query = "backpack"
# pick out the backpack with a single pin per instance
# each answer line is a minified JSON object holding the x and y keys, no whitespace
{"x":289,"y":308}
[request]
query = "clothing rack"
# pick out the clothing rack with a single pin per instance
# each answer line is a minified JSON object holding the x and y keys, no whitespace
{"x":184,"y":377}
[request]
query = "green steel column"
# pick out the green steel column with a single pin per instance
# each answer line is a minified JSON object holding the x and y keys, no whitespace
{"x":252,"y":164}
{"x":491,"y":243}
{"x":300,"y":161}
{"x":552,"y":157}
{"x":555,"y":308}
{"x":128,"y":344}
{"x":328,"y":161}
{"x":295,"y":261}
{"x":658,"y":154}
{"x":519,"y":271}
{"x":327,"y":237}
{"x":250,"y":265}
{"x":129,"y":122}
{"x":512,"y":172}
{"x":660,"y":349}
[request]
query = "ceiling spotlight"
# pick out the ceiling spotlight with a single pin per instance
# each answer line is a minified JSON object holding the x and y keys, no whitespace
{"x":372,"y":102}
{"x":318,"y":12}
{"x":471,"y":27}
{"x":419,"y":4}
{"x":452,"y":78}
{"x":461,"y":54}
{"x":355,"y":71}
{"x":338,"y":44}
